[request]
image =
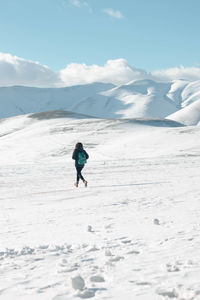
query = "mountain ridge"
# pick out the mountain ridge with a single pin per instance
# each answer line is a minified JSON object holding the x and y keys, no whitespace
{"x":136,"y":99}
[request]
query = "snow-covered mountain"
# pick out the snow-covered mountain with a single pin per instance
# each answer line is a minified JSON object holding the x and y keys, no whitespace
{"x":189,"y":115}
{"x":19,"y":100}
{"x":137,"y":99}
{"x":190,"y":112}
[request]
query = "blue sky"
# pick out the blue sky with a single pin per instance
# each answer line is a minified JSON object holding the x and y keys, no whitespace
{"x":149,"y":34}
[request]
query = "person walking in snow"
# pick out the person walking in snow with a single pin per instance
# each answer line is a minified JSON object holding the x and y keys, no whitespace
{"x":80,"y":156}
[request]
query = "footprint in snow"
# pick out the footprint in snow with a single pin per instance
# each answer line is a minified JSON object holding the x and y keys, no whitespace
{"x":134,"y":252}
{"x":126,"y":241}
{"x":93,"y":249}
{"x":122,"y":238}
{"x":78,"y":284}
{"x":168,"y":293}
{"x":143,"y":283}
{"x":114,"y":260}
{"x":156,"y":222}
{"x":172,"y":268}
{"x":108,"y":253}
{"x":89,"y":229}
{"x":86,"y":294}
{"x":97,"y":278}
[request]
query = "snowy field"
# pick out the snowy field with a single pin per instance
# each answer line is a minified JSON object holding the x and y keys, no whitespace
{"x":134,"y":233}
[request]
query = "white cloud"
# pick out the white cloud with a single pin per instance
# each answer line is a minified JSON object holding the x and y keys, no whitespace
{"x":114,"y":71}
{"x":189,"y":74}
{"x":113,"y":13}
{"x":18,"y":71}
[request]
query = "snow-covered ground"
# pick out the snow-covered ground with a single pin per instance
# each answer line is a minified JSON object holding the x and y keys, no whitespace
{"x":134,"y":233}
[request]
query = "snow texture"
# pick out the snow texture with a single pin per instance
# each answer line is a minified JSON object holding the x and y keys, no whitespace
{"x":133,"y":233}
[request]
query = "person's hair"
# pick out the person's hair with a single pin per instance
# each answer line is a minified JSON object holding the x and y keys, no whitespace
{"x":79,"y":145}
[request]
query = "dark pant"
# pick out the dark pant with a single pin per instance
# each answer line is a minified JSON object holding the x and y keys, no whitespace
{"x":79,"y":168}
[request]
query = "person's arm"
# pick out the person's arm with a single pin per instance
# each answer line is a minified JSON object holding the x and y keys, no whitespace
{"x":74,"y":155}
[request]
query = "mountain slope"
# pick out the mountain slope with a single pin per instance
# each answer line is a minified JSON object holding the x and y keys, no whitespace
{"x":19,"y":100}
{"x":189,"y":115}
{"x":133,"y":233}
{"x":143,"y":99}
{"x":137,"y":99}
{"x":41,"y":136}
